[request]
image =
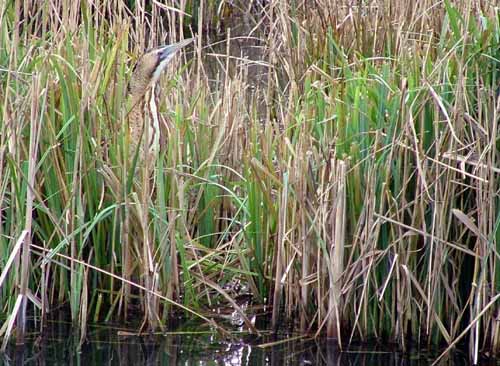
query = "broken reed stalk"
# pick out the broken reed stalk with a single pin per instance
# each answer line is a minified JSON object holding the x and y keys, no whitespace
{"x":35,"y":130}
{"x":280,"y":249}
{"x":336,"y":250}
{"x":127,"y":266}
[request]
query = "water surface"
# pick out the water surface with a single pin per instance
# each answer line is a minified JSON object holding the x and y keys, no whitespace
{"x":198,"y":345}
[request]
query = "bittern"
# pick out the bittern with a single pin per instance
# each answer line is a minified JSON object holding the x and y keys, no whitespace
{"x":143,"y":119}
{"x":145,"y":131}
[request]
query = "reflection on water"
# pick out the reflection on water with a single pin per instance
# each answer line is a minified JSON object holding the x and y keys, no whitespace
{"x":106,"y":347}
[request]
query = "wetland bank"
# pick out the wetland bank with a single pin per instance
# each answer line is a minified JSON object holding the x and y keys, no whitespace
{"x":335,"y":163}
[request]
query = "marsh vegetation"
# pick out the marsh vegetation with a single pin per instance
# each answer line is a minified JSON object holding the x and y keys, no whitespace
{"x":336,"y":161}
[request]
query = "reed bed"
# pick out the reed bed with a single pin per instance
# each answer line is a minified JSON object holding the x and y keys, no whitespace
{"x":338,"y":159}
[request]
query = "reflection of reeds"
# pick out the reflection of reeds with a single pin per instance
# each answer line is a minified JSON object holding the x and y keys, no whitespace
{"x":348,"y":176}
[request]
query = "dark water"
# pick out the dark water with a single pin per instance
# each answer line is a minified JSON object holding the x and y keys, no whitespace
{"x":199,"y":346}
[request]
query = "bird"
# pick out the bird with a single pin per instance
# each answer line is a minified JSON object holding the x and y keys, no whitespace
{"x":144,"y":127}
{"x":144,"y":132}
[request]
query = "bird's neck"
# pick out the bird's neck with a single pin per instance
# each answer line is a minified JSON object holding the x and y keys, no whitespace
{"x":144,"y":128}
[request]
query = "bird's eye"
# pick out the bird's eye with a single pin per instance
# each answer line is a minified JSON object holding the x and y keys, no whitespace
{"x":157,"y":63}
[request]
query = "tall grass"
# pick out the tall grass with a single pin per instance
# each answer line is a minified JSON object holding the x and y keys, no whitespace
{"x":340,"y":160}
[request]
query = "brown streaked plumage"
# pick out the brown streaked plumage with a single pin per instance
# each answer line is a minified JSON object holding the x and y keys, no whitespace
{"x":143,"y":140}
{"x":143,"y":119}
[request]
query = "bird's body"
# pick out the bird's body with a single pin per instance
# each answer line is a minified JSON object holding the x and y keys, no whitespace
{"x":144,"y":136}
{"x":144,"y":128}
{"x":144,"y":124}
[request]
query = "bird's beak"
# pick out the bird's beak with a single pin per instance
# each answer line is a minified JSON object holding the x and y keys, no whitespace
{"x":167,"y":52}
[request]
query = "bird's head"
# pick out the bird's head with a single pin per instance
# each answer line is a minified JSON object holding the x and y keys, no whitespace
{"x":149,"y":67}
